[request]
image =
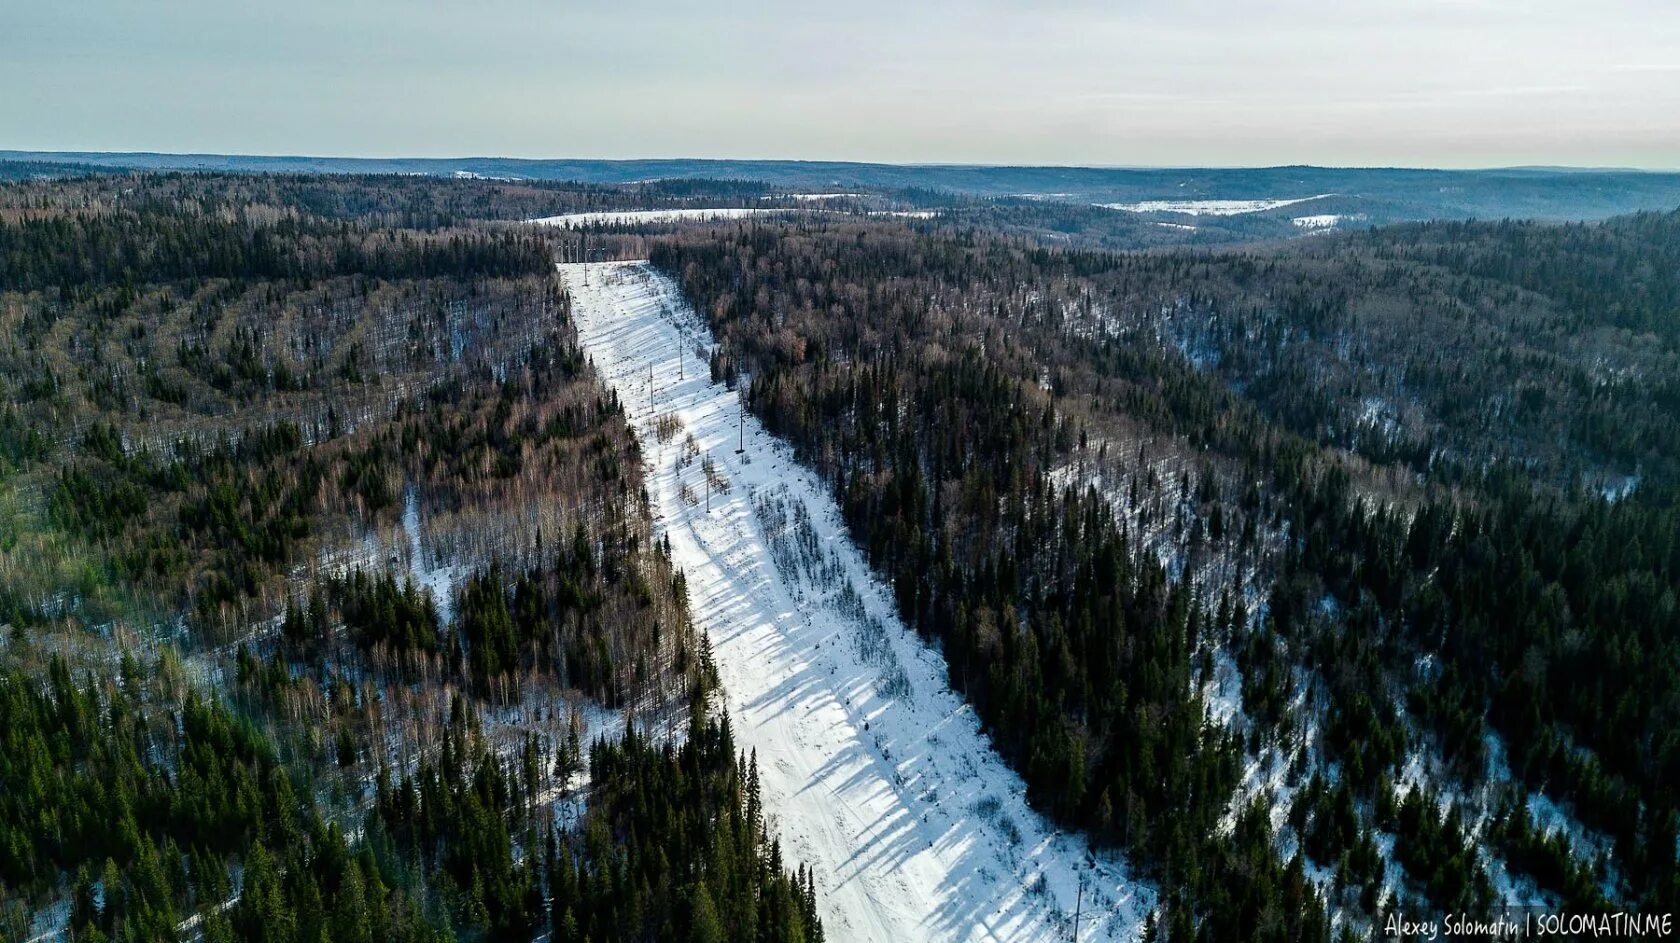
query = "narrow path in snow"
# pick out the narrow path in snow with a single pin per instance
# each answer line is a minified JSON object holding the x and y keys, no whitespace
{"x":873,"y":771}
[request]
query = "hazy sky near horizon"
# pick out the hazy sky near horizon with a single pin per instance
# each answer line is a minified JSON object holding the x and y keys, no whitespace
{"x":1134,"y":82}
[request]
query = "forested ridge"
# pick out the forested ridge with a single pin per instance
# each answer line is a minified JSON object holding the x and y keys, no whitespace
{"x":1439,"y":346}
{"x":1445,"y":589}
{"x":343,"y":494}
{"x":386,"y":202}
{"x":123,"y":247}
{"x":1537,"y":603}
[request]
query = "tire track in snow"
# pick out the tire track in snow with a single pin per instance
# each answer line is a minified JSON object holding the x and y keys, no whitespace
{"x":917,"y":830}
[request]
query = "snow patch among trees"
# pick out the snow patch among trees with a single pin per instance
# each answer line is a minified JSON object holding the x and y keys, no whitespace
{"x":1209,"y":207}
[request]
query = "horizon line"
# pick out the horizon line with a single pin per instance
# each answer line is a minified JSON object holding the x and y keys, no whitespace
{"x":14,"y":154}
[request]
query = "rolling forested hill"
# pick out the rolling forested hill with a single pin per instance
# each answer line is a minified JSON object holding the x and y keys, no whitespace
{"x":316,"y":466}
{"x":1382,"y":195}
{"x":1395,"y":510}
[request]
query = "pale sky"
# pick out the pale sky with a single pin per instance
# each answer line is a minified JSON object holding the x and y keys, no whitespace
{"x":1455,"y":83}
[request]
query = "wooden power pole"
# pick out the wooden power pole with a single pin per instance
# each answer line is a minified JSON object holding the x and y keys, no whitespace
{"x":1078,"y":906}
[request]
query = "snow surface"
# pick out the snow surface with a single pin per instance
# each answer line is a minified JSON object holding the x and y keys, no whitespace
{"x":906,"y":214}
{"x":1208,"y":207}
{"x":642,"y":217}
{"x":873,"y":770}
{"x":1619,"y":488}
{"x":647,"y":217}
{"x":440,"y":578}
{"x":51,"y":923}
{"x":1321,"y":221}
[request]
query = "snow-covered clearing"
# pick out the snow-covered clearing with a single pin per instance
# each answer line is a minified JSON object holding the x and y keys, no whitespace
{"x":642,"y":217}
{"x":439,"y":578}
{"x":1208,"y":207}
{"x":874,"y":771}
{"x":470,"y":175}
{"x":649,"y":217}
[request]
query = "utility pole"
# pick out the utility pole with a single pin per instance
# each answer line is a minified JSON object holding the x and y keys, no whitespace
{"x":1079,"y":905}
{"x":741,"y":398}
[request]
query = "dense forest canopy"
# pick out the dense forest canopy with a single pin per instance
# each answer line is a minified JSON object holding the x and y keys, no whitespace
{"x":1445,"y":578}
{"x":317,"y":466}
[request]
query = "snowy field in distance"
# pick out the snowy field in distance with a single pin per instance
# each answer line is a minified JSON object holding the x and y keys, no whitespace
{"x":639,"y":217}
{"x":1208,"y":207}
{"x":873,"y":771}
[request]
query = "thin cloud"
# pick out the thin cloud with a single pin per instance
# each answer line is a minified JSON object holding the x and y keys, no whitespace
{"x":1225,"y":82}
